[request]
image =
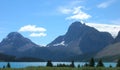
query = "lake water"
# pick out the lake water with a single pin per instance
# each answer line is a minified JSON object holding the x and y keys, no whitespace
{"x":26,"y":64}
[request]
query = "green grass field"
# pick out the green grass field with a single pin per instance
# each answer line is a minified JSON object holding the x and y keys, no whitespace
{"x":61,"y":68}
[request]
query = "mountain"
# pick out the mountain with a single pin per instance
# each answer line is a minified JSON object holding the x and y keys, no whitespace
{"x":81,"y":40}
{"x":15,"y":42}
{"x":17,"y":45}
{"x":111,"y":52}
{"x":79,"y":43}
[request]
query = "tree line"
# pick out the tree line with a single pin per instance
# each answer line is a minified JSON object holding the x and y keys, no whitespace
{"x":91,"y":63}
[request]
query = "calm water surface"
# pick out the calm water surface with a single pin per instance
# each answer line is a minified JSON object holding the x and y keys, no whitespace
{"x":26,"y":64}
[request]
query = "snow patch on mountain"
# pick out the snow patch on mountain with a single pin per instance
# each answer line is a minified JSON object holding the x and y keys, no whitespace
{"x":62,"y":43}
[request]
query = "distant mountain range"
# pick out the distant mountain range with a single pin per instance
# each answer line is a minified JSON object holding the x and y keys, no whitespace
{"x":80,"y":43}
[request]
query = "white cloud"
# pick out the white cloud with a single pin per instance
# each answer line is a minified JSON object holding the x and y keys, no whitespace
{"x":38,"y":34}
{"x":113,"y":29}
{"x":105,"y":4}
{"x":78,"y":14}
{"x":31,"y":28}
{"x":35,"y":31}
{"x":74,"y":10}
{"x":75,"y":13}
{"x":65,"y":10}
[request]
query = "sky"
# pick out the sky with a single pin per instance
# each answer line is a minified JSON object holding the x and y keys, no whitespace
{"x":44,"y":20}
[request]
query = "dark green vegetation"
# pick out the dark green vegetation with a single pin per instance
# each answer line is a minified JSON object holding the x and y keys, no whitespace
{"x":8,"y":65}
{"x":100,"y":63}
{"x":4,"y":57}
{"x":92,"y":62}
{"x":118,"y":63}
{"x":7,"y":58}
{"x":62,"y":68}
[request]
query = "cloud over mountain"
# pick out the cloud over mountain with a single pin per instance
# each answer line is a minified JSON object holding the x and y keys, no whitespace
{"x":75,"y":13}
{"x":32,"y":28}
{"x":111,"y":28}
{"x":74,"y":10}
{"x":37,"y":34}
{"x":35,"y":31}
{"x":78,"y":14}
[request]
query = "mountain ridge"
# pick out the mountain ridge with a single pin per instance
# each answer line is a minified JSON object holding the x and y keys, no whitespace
{"x":80,"y":43}
{"x":81,"y":37}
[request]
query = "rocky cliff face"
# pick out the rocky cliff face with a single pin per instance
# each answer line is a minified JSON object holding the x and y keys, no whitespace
{"x":81,"y":39}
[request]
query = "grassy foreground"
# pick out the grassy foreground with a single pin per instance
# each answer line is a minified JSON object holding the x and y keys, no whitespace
{"x":61,"y":68}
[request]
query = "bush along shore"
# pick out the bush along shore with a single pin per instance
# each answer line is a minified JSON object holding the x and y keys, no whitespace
{"x":87,"y":66}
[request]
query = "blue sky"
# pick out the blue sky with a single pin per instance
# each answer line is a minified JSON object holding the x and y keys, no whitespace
{"x":44,"y":20}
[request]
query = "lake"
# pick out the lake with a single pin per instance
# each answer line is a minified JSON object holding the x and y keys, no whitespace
{"x":26,"y":64}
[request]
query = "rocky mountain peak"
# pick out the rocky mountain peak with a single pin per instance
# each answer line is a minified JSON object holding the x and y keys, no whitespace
{"x":77,"y":30}
{"x":15,"y":39}
{"x":14,"y":35}
{"x":76,"y":25}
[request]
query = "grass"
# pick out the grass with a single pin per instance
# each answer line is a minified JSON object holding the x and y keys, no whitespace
{"x":61,"y":68}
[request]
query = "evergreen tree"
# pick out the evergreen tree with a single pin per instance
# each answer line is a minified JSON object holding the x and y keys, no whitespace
{"x":79,"y":66}
{"x":118,"y":63}
{"x":8,"y":65}
{"x":3,"y":66}
{"x":100,"y":63}
{"x":92,"y":62}
{"x":72,"y":64}
{"x":49,"y":64}
{"x":86,"y":65}
{"x":110,"y":66}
